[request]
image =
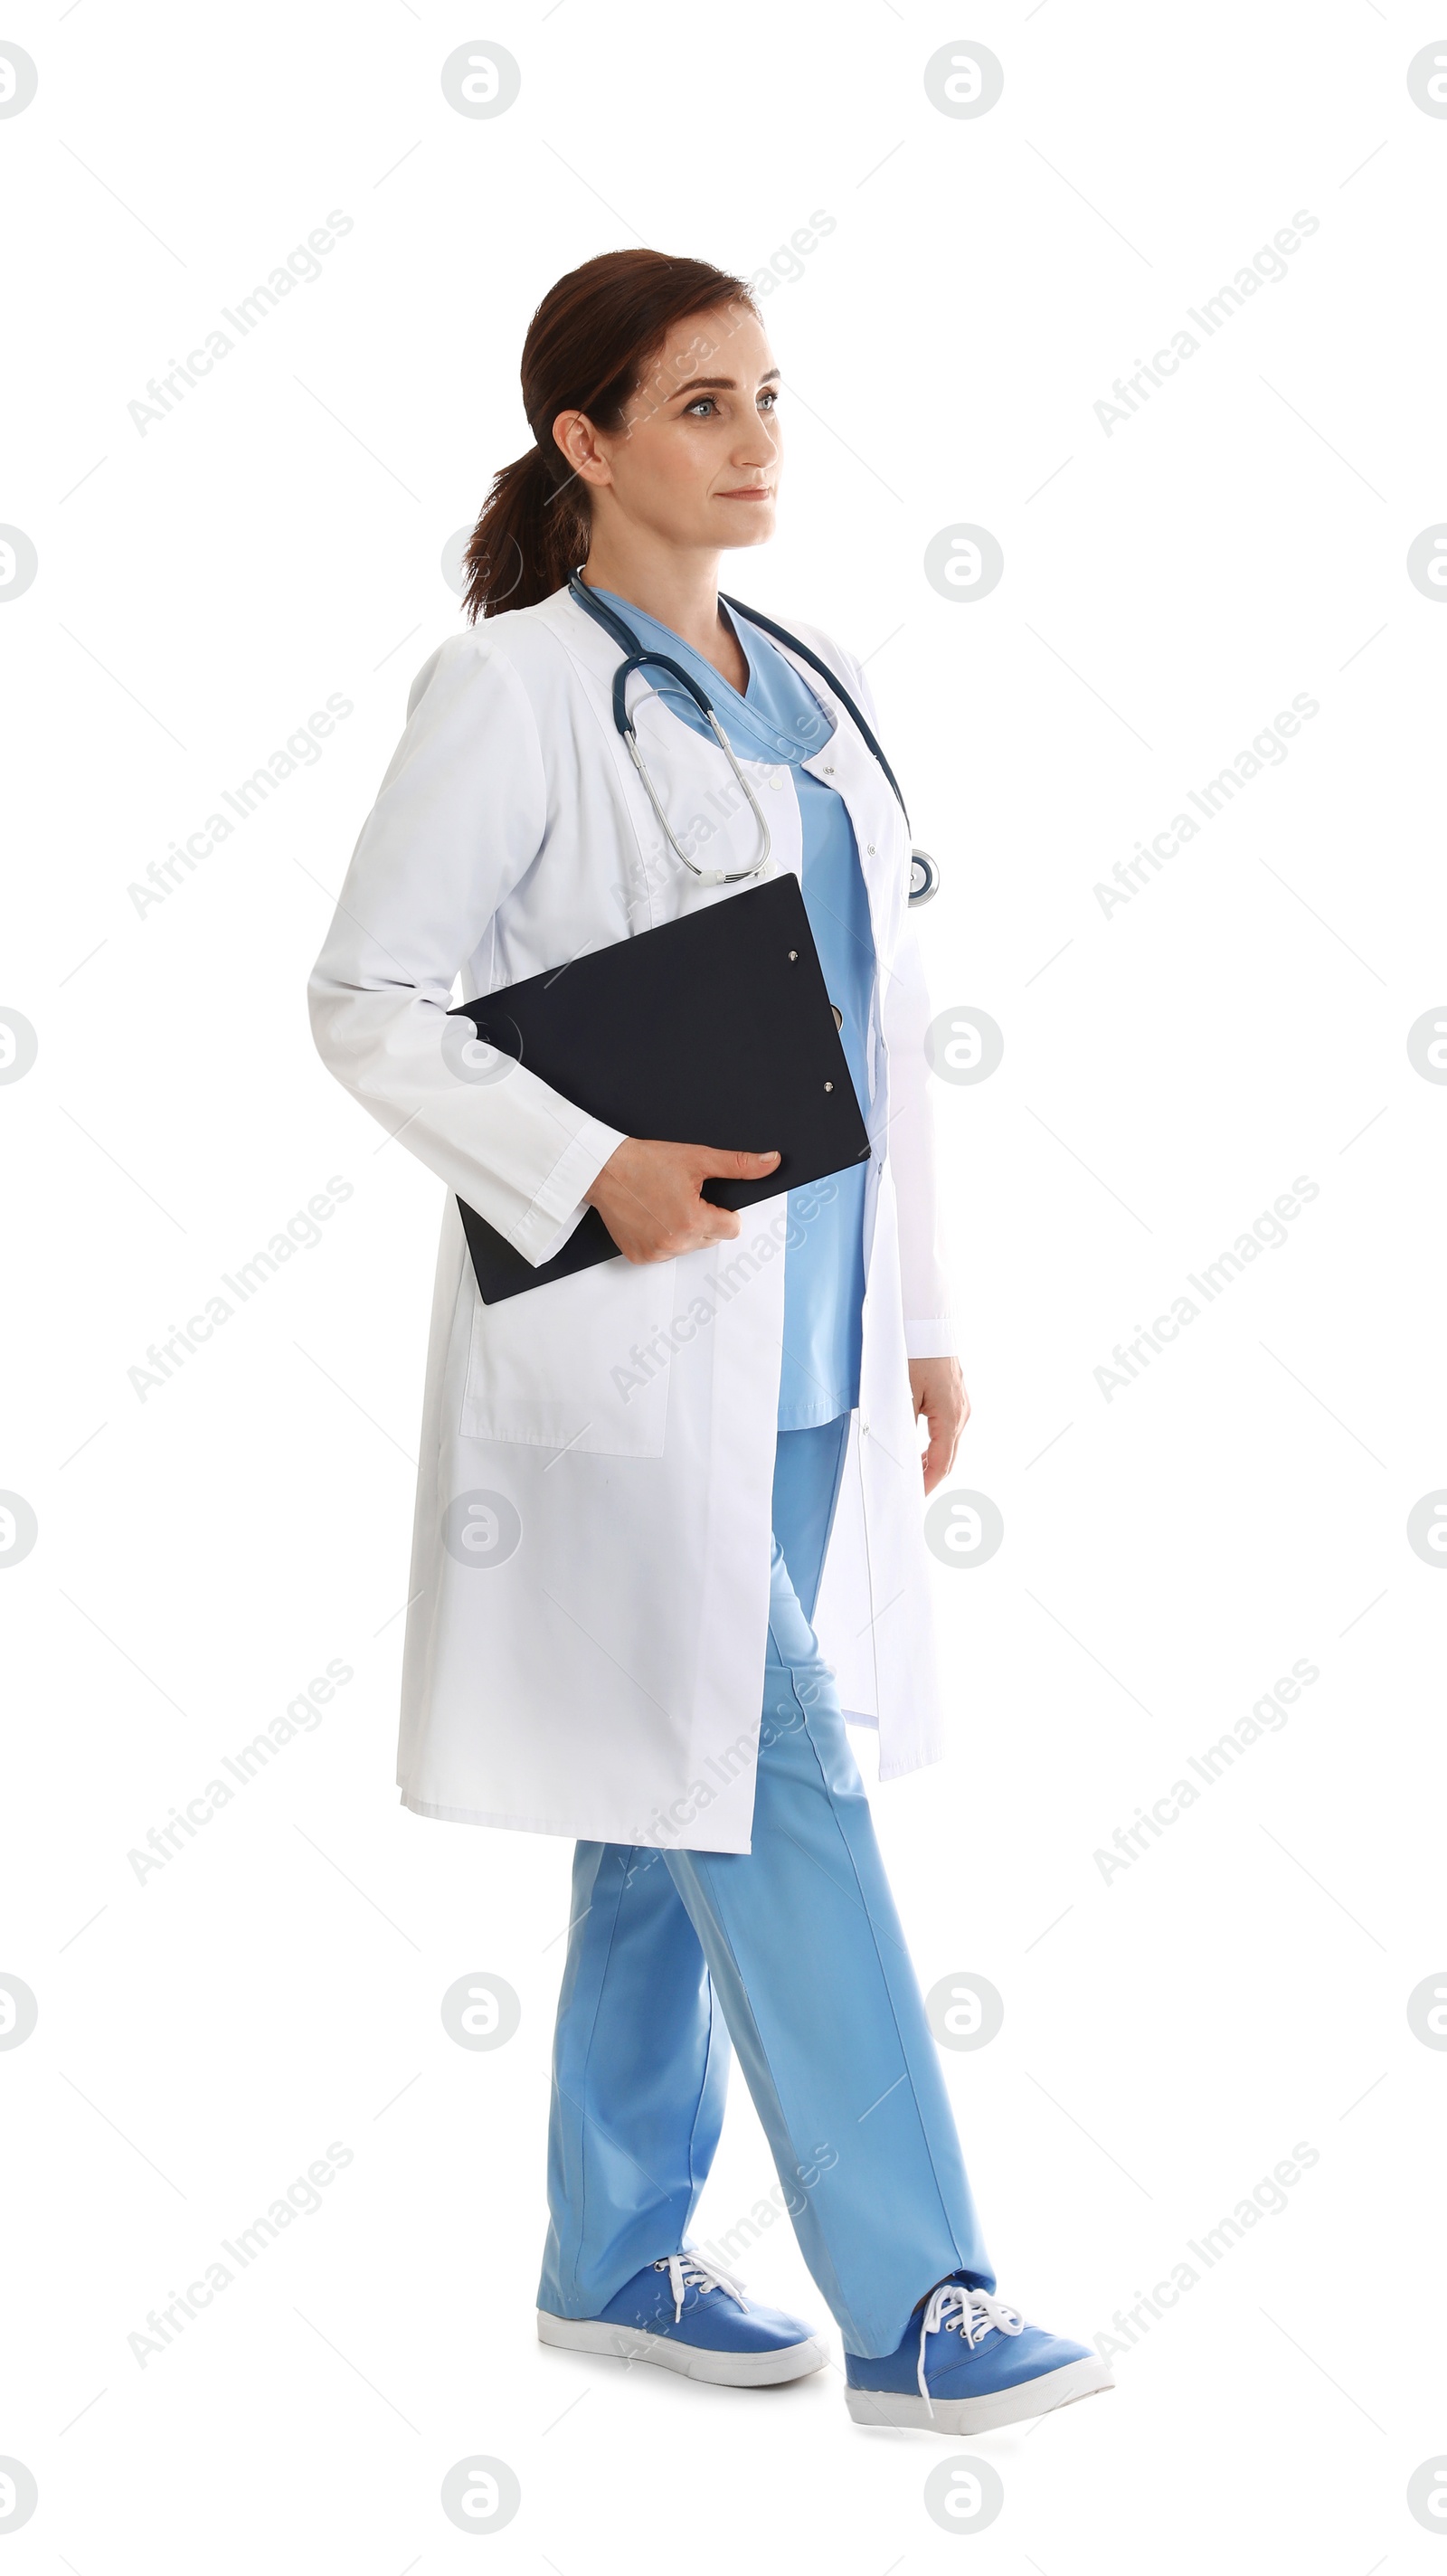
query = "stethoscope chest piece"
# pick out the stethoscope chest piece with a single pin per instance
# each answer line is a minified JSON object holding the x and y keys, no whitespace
{"x":924,"y":877}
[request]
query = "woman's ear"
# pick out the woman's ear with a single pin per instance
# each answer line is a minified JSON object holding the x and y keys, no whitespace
{"x":573,"y":432}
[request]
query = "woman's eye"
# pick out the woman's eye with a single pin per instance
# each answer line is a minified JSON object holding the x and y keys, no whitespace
{"x":704,"y":405}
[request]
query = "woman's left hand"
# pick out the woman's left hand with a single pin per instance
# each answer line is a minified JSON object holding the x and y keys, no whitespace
{"x":939,"y":1395}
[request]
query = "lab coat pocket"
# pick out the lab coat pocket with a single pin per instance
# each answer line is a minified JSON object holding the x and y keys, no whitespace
{"x":568,"y":1366}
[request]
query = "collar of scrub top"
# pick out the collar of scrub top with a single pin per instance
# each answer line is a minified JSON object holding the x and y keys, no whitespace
{"x":924,"y":875}
{"x":754,"y":733}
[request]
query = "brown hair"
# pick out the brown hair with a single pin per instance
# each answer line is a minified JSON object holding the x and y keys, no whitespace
{"x":589,"y":347}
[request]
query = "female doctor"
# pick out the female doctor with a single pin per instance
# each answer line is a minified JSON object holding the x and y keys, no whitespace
{"x":668,"y":1529}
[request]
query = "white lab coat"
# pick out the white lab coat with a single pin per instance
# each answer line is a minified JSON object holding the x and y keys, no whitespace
{"x":588,"y":1661}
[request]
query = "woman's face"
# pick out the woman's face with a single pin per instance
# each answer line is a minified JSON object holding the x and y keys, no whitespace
{"x":697,"y":459}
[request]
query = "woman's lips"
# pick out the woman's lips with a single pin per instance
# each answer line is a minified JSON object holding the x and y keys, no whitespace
{"x":751,"y":492}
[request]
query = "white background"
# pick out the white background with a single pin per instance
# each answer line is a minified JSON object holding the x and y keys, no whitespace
{"x":1169,"y":1069}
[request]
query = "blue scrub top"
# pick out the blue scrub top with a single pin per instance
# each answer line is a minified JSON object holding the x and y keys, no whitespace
{"x":779,"y":719}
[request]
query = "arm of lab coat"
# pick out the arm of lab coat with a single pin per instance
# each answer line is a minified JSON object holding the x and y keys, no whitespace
{"x":459,"y":819}
{"x":929,"y":1324}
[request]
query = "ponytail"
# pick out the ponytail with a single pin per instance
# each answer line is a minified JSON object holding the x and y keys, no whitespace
{"x":589,"y":345}
{"x":532,"y":534}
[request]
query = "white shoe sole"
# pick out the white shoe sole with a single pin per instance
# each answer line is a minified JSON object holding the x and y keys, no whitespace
{"x":981,"y":2414}
{"x":722,"y":2369}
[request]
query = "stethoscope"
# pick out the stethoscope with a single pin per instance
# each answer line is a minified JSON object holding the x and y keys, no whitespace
{"x":924,"y":875}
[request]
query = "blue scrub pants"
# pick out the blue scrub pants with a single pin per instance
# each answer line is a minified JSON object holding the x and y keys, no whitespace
{"x":793,"y":1953}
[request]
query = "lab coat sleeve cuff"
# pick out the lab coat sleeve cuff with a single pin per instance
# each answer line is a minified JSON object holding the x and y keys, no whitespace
{"x":935,"y":1340}
{"x":560,"y":1205}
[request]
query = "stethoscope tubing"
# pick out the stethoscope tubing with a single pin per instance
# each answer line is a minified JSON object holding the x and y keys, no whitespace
{"x":637,"y":659}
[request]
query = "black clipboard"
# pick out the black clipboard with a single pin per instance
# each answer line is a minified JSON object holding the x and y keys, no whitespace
{"x":715,"y":1029}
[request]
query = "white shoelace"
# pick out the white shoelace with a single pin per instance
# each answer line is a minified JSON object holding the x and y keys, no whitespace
{"x":685,"y":2272}
{"x":955,"y":2306}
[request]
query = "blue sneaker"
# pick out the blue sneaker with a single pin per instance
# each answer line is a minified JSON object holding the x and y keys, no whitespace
{"x":692,"y":2318}
{"x":1000,"y":2371}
